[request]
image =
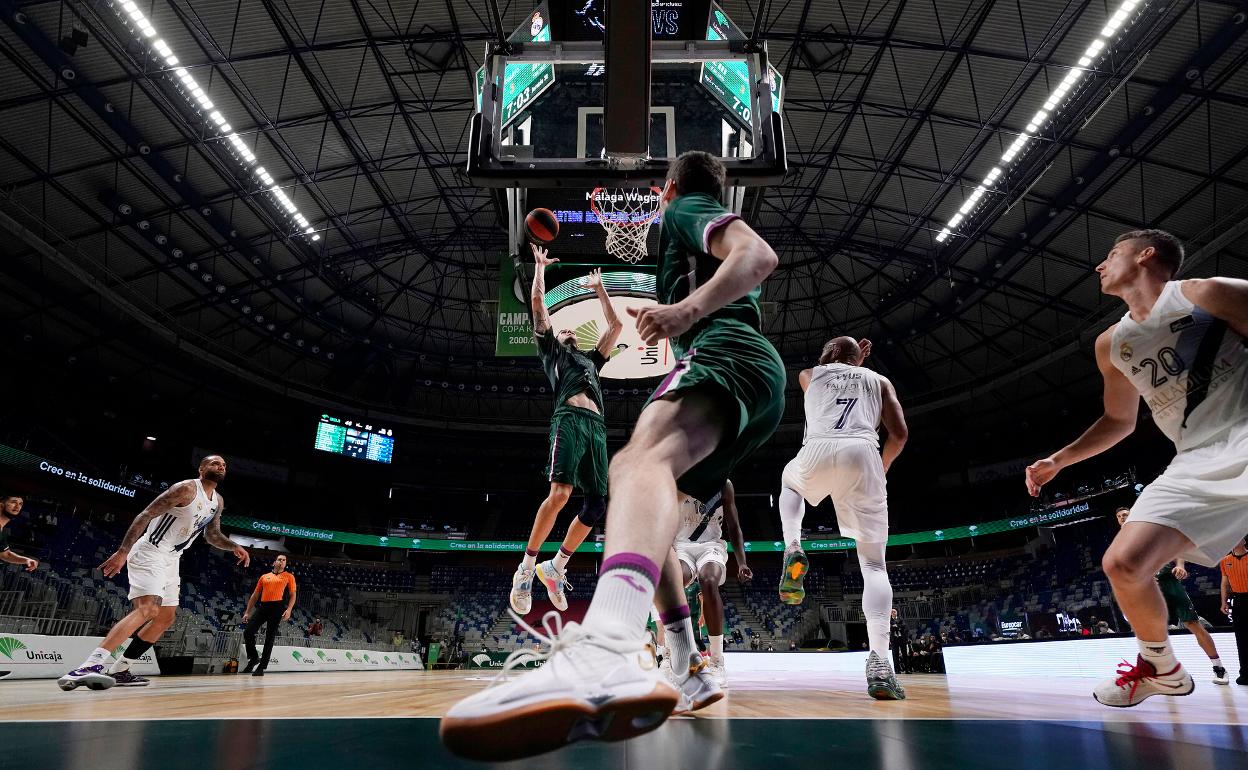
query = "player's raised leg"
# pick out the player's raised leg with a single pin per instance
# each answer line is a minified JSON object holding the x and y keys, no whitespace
{"x":796,"y":565}
{"x":521,"y":598}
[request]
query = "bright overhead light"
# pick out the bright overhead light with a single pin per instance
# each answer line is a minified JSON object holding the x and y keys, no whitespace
{"x":145,"y":29}
{"x":1052,"y":102}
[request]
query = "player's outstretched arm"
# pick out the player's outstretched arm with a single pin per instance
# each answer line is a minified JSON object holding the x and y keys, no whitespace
{"x":803,"y":378}
{"x":1225,"y":298}
{"x":606,"y":343}
{"x":894,"y":420}
{"x":217,"y":539}
{"x":13,"y":557}
{"x":747,"y":260}
{"x":732,"y":520}
{"x":1121,"y":403}
{"x":537,"y":297}
{"x":175,"y":496}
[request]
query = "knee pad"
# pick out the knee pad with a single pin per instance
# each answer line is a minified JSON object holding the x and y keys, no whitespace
{"x":593,"y":510}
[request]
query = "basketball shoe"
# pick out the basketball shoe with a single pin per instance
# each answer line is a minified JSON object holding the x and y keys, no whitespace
{"x":795,"y":568}
{"x":698,"y":688}
{"x":556,"y":583}
{"x":589,"y":687}
{"x":94,"y":677}
{"x":715,"y":667}
{"x":881,"y":684}
{"x":1219,"y":675}
{"x":128,"y":679}
{"x":1135,"y":683}
{"x":522,"y":590}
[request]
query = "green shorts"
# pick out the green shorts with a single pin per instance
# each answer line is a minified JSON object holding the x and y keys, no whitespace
{"x":1178,"y":603}
{"x":733,"y":360}
{"x":578,"y":450}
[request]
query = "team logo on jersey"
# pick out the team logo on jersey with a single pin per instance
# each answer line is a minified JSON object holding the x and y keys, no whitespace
{"x":1125,"y":351}
{"x":1182,"y":323}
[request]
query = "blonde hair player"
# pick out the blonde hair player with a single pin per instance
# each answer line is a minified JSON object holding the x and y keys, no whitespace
{"x":1181,"y":347}
{"x":845,"y":404}
{"x":151,"y":551}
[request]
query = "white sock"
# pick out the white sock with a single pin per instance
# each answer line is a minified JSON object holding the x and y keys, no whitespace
{"x":792,"y":510}
{"x":877,"y":596}
{"x":1215,"y":662}
{"x":121,"y":664}
{"x":680,"y":641}
{"x":97,"y":658}
{"x":1159,"y":654}
{"x":561,"y":560}
{"x":717,"y":646}
{"x":623,"y":597}
{"x":529,"y":562}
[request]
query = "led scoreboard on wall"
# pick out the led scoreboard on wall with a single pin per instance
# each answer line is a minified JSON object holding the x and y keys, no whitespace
{"x":729,"y":81}
{"x":353,"y":438}
{"x":522,"y":83}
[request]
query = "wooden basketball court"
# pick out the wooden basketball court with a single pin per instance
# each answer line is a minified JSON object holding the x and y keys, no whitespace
{"x":384,"y":720}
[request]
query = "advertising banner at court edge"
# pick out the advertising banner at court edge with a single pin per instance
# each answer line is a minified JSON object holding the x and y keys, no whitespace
{"x":496,"y":659}
{"x":33,"y":656}
{"x":287,"y":658}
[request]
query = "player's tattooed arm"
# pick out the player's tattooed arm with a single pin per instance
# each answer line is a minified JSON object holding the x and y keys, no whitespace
{"x":179,"y":494}
{"x":175,"y":496}
{"x":537,"y":297}
{"x":217,"y":539}
{"x":606,"y":343}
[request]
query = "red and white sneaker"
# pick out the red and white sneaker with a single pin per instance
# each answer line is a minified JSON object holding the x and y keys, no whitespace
{"x":1135,"y":683}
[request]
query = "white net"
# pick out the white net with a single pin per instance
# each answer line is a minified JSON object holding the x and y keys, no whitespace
{"x":626,"y":214}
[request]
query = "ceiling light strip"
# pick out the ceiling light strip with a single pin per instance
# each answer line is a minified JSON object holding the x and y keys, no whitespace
{"x":1058,"y":97}
{"x":146,"y":33}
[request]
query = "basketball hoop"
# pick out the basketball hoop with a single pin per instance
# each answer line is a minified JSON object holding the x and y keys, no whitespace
{"x":626,"y":214}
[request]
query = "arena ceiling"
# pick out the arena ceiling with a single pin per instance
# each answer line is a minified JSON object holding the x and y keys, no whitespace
{"x":895,"y":110}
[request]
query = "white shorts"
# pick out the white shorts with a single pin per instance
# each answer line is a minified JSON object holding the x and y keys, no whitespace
{"x":851,"y":472}
{"x":154,"y":574}
{"x":1204,"y":495}
{"x":697,"y":555}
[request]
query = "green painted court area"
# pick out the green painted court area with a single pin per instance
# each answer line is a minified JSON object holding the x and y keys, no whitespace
{"x":691,"y":743}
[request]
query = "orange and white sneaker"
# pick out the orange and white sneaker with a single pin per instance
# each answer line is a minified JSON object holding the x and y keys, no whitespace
{"x":589,"y":687}
{"x":1135,"y":683}
{"x":698,"y":688}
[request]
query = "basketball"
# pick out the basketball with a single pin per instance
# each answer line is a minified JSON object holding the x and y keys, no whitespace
{"x":541,"y":226}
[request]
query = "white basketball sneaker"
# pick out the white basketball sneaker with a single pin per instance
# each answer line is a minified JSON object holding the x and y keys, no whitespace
{"x":715,"y":666}
{"x":698,"y":688}
{"x":1135,"y":683}
{"x":522,"y":590}
{"x":556,"y":582}
{"x":589,"y":687}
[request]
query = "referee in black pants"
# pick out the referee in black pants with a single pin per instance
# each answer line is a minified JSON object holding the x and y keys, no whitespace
{"x":275,"y":594}
{"x":1234,"y":568}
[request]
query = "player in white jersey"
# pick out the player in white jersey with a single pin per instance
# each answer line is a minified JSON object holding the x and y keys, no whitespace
{"x":845,"y":405}
{"x":703,"y":556}
{"x":1180,"y":347}
{"x":151,"y":551}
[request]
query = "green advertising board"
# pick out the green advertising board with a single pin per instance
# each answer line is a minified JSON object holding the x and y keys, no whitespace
{"x":514,"y":328}
{"x":753,"y":546}
{"x":495,"y":660}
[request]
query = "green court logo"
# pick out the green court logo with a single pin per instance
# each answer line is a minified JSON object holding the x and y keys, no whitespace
{"x":350,"y":658}
{"x":320,"y":654}
{"x":9,"y":645}
{"x":296,"y":656}
{"x":586,"y":335}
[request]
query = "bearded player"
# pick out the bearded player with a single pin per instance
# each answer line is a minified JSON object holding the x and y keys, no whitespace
{"x":1181,"y":347}
{"x":845,"y":406}
{"x":151,"y":552}
{"x":578,"y":439}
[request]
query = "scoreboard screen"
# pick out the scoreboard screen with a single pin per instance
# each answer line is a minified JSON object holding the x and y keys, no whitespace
{"x":354,"y":438}
{"x":522,"y":83}
{"x":729,"y":81}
